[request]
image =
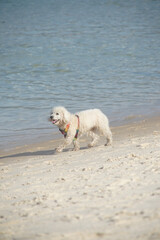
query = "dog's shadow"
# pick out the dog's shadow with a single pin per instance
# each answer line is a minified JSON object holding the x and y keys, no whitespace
{"x":39,"y":153}
{"x":30,"y":154}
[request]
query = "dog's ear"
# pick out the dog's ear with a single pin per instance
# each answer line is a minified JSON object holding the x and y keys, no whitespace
{"x":66,"y":115}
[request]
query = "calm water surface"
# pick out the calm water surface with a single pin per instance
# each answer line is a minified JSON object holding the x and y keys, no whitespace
{"x":80,"y":54}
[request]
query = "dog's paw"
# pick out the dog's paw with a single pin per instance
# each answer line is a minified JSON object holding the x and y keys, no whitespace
{"x":75,"y":149}
{"x":108,"y":144}
{"x":90,"y":145}
{"x":59,"y":149}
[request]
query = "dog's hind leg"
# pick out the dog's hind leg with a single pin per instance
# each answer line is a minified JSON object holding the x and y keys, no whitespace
{"x":94,"y":140}
{"x":108,"y":135}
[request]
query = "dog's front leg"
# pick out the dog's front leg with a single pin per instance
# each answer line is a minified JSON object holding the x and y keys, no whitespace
{"x":67,"y":141}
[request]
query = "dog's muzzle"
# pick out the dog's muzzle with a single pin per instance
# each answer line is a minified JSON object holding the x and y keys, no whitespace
{"x":53,"y":120}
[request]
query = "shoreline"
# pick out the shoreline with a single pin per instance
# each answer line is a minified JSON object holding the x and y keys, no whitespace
{"x":122,"y":132}
{"x":95,"y":193}
{"x":54,"y":135}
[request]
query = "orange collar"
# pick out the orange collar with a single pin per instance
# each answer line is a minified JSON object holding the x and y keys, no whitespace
{"x":64,"y":132}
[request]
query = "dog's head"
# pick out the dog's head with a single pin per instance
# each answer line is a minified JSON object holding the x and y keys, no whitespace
{"x":59,"y":116}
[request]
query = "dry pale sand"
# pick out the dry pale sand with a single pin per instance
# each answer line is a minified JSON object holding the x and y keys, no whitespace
{"x":110,"y":193}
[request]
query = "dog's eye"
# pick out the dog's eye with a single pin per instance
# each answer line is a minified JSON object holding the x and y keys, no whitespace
{"x":57,"y":113}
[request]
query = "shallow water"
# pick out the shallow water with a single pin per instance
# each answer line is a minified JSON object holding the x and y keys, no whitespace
{"x":79,"y":54}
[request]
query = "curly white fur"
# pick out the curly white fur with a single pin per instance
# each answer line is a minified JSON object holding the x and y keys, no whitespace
{"x":92,"y":122}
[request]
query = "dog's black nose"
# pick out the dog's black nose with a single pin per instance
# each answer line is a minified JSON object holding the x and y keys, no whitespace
{"x":51,"y":117}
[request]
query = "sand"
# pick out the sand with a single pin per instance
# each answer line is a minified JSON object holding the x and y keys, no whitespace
{"x":110,"y":193}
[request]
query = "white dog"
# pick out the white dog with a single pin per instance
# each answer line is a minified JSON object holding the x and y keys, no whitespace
{"x":92,"y":122}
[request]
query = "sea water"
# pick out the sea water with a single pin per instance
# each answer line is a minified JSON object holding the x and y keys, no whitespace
{"x":79,"y":54}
